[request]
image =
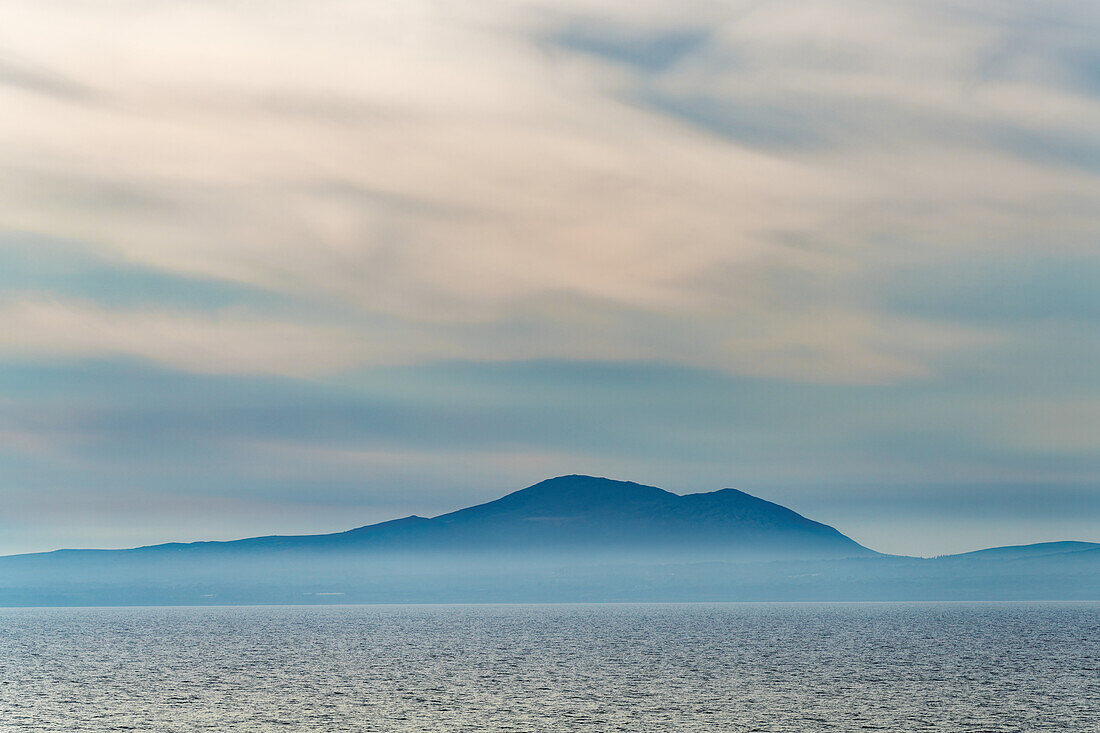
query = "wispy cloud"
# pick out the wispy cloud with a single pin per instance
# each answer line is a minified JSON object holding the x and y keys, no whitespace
{"x":130,"y":441}
{"x":840,"y":244}
{"x":463,"y":165}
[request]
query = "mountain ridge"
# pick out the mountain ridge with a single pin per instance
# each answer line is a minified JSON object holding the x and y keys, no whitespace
{"x":570,"y":538}
{"x":585,"y":513}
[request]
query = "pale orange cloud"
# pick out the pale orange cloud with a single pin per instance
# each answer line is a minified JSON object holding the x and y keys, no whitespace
{"x":446,"y":167}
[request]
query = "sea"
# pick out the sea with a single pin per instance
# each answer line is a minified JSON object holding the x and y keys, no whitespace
{"x":995,"y":667}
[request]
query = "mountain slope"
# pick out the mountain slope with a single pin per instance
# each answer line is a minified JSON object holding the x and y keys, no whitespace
{"x":1018,"y":552}
{"x":578,"y":515}
{"x":573,"y":538}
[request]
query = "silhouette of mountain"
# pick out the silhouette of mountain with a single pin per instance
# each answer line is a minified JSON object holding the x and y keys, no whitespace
{"x":571,"y":538}
{"x":1016,"y":552}
{"x":584,"y":515}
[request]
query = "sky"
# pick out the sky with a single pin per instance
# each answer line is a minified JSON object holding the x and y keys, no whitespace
{"x":290,"y":267}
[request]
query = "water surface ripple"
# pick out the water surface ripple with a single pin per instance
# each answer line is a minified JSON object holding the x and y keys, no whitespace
{"x":758,"y":667}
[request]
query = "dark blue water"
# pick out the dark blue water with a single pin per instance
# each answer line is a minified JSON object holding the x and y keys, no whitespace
{"x":813,"y":667}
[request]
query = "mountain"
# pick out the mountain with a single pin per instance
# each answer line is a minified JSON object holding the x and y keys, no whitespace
{"x":583,"y":517}
{"x":571,"y":538}
{"x":1018,"y":552}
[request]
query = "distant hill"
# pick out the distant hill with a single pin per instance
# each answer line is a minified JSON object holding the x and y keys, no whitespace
{"x":571,"y":538}
{"x":1017,"y":552}
{"x":588,"y":517}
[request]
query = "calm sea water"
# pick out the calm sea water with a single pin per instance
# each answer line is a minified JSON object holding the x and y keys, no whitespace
{"x":827,"y":667}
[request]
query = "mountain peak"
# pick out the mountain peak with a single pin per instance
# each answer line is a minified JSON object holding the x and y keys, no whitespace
{"x":579,"y":483}
{"x":593,"y":516}
{"x":575,"y":493}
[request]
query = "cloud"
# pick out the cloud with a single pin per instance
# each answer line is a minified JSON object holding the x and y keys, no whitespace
{"x":296,"y":262}
{"x":225,"y":343}
{"x":42,"y":81}
{"x":138,"y":453}
{"x":533,"y":180}
{"x":241,"y":341}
